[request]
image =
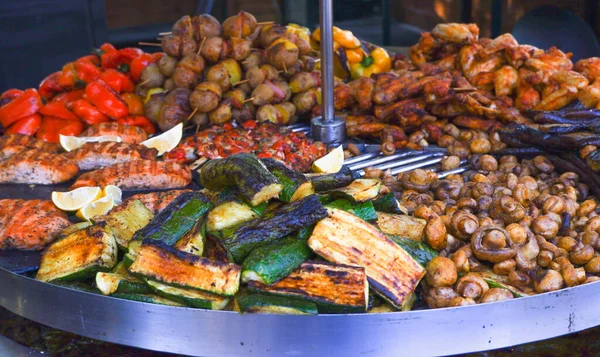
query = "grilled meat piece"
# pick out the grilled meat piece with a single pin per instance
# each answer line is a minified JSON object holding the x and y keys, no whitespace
{"x":29,"y":225}
{"x":128,"y":133}
{"x":14,"y":143}
{"x":154,"y":201}
{"x":138,"y":174}
{"x":93,"y":156}
{"x":35,"y":166}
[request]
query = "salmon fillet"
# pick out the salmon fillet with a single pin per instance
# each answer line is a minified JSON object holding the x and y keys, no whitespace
{"x":154,"y":201}
{"x":15,"y":143}
{"x":29,"y":224}
{"x":34,"y":166}
{"x":93,"y":156}
{"x":138,"y":174}
{"x":128,"y":133}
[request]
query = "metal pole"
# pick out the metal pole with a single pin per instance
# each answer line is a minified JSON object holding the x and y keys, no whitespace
{"x":327,"y":128}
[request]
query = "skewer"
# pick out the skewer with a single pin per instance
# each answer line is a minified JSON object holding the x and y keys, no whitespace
{"x":248,"y":100}
{"x":284,"y":67}
{"x":464,"y":90}
{"x":240,"y":82}
{"x":144,"y":82}
{"x":201,"y":45}
{"x":149,"y":44}
{"x":265,"y":23}
{"x":164,"y":33}
{"x":191,"y":115}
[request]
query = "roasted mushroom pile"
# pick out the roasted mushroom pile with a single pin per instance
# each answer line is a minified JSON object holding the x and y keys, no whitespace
{"x":505,"y":229}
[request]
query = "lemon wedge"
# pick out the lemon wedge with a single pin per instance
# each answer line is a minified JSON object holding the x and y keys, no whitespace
{"x":97,"y":208}
{"x":166,"y":141}
{"x":76,"y":199}
{"x":115,"y":192}
{"x":70,"y":143}
{"x":330,"y":163}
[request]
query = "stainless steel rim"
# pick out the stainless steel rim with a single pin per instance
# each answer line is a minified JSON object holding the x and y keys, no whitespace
{"x":218,"y":333}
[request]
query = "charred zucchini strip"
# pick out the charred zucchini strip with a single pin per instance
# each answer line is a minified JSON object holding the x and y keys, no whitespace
{"x":193,"y":241}
{"x":295,"y":185}
{"x":79,"y":255}
{"x":360,"y":190}
{"x":189,"y":297}
{"x":389,"y":204}
{"x":401,"y":225}
{"x":420,"y":251}
{"x":333,"y":287}
{"x":229,"y":214}
{"x":346,"y":239}
{"x":363,"y":210}
{"x":157,"y":261}
{"x":273,"y":262}
{"x":73,"y":228}
{"x":110,"y":283}
{"x":271,"y":304}
{"x":148,"y":298}
{"x":326,"y":182}
{"x":244,"y":171}
{"x":273,"y":226}
{"x":126,"y":222}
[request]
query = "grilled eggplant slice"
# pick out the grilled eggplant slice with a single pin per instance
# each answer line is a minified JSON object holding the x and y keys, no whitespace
{"x":420,"y":251}
{"x":271,"y":304}
{"x":125,"y":223}
{"x":189,"y":297}
{"x":273,"y":226}
{"x":295,"y":185}
{"x":193,"y":241}
{"x":389,"y":204}
{"x":335,"y":288}
{"x":401,"y":225}
{"x":363,"y":210}
{"x":346,"y":239}
{"x":158,"y":261}
{"x":110,"y":283}
{"x":271,"y":263}
{"x":360,"y":190}
{"x":79,"y":255}
{"x":171,"y":224}
{"x":244,"y":171}
{"x":148,"y":298}
{"x":326,"y":182}
{"x":229,"y":214}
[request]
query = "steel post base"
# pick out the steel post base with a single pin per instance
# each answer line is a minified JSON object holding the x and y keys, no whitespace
{"x":328,"y":132}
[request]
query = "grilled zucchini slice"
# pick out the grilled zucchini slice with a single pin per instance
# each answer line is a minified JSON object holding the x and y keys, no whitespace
{"x":124,"y":223}
{"x":401,"y":225}
{"x":360,"y":190}
{"x":157,"y":261}
{"x":389,"y":204}
{"x":344,"y":238}
{"x":326,"y":182}
{"x":273,"y":262}
{"x":229,"y":214}
{"x":193,"y":241}
{"x":271,"y":304}
{"x":148,"y":298}
{"x":363,"y":210}
{"x":110,"y":283}
{"x":335,"y":288}
{"x":79,"y":255}
{"x":420,"y":251}
{"x":295,"y":185}
{"x":244,"y":171}
{"x":73,"y":228}
{"x":189,"y":297}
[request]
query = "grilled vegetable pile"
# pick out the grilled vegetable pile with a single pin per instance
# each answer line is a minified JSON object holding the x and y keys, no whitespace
{"x":258,"y":238}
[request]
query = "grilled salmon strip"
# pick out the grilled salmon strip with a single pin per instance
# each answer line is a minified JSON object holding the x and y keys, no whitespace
{"x":93,"y":156}
{"x":128,"y":133}
{"x":34,"y":166}
{"x":138,"y":174}
{"x":154,"y":201}
{"x":29,"y":224}
{"x":15,"y":143}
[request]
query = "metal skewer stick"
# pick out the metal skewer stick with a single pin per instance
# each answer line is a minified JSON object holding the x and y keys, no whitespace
{"x":327,"y":128}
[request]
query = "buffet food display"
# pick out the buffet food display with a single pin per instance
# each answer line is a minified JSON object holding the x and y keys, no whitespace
{"x":256,"y":231}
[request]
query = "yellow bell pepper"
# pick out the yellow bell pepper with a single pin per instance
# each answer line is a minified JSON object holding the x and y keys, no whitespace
{"x":354,"y":55}
{"x":377,"y":62}
{"x":344,"y":38}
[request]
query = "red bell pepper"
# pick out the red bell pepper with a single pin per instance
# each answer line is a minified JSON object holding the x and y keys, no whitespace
{"x":126,"y":55}
{"x":50,"y":86}
{"x":134,"y":103}
{"x":107,"y":53}
{"x":68,"y":76}
{"x":24,"y":105}
{"x":86,"y":70}
{"x":106,"y":99}
{"x":58,"y":110}
{"x":87,"y":112}
{"x":26,"y":126}
{"x":9,"y":96}
{"x":140,"y":121}
{"x":52,"y":128}
{"x":95,"y":59}
{"x":69,"y":97}
{"x":138,"y":64}
{"x":118,"y":81}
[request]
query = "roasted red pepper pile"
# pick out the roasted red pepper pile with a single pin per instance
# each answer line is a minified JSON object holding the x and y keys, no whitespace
{"x":91,"y":90}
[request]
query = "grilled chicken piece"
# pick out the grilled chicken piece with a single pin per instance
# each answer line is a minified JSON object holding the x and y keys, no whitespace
{"x":138,"y":174}
{"x":128,"y":133}
{"x":29,"y":225}
{"x":35,"y":166}
{"x":93,"y":156}
{"x":154,"y":201}
{"x":14,"y":143}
